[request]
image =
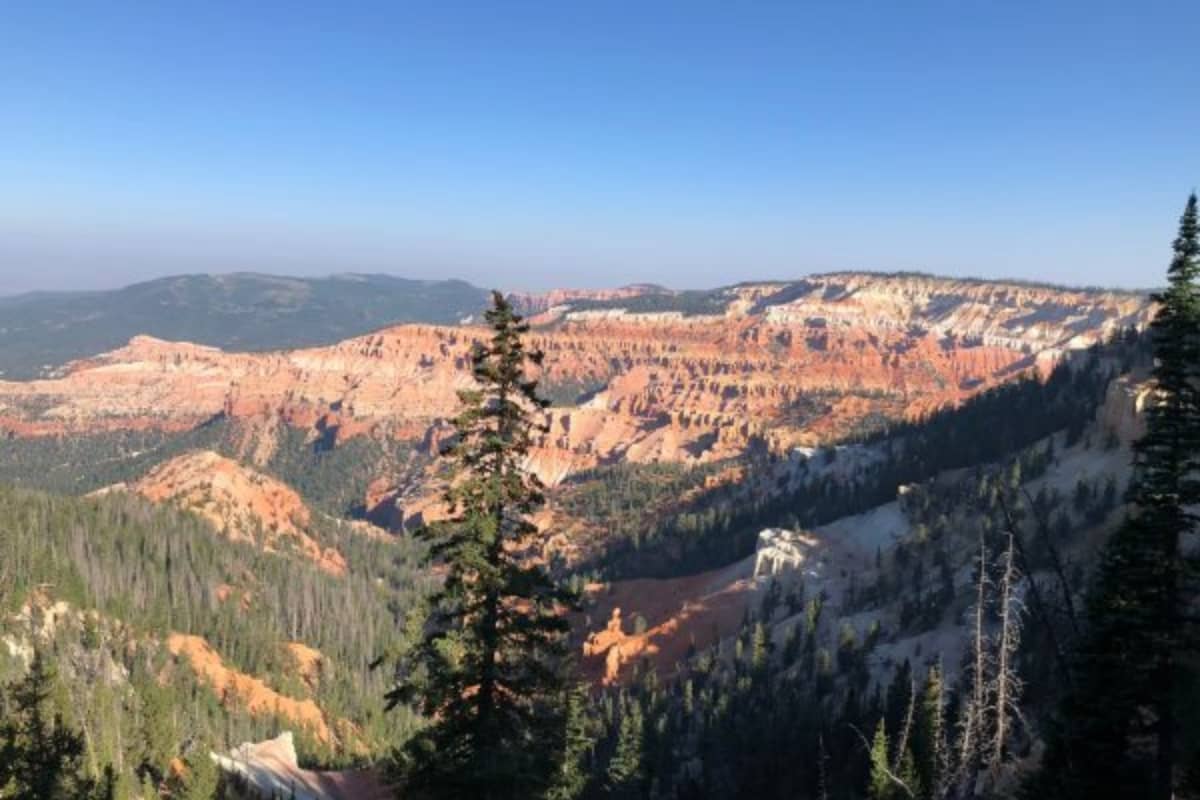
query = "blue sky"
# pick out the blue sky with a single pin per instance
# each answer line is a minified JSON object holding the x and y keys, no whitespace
{"x":590,"y":144}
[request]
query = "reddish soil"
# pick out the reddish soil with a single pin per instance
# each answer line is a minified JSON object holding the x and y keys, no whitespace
{"x":680,"y":613}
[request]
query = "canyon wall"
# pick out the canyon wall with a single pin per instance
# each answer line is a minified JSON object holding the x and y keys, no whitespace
{"x":778,"y":365}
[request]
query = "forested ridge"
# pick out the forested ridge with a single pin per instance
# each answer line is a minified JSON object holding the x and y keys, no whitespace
{"x":332,"y":479}
{"x":242,"y":311}
{"x":150,"y":571}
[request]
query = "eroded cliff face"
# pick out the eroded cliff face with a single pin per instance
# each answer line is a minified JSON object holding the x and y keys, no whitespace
{"x":780,"y":365}
{"x":1122,"y":413}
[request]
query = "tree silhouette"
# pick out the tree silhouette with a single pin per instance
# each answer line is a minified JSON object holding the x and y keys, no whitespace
{"x":489,"y":668}
{"x":1117,"y":736}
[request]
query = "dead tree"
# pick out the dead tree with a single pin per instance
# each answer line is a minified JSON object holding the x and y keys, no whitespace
{"x":934,"y":712}
{"x":1060,"y":572}
{"x":906,"y":729}
{"x":971,"y":730}
{"x":822,"y":758}
{"x":1005,"y":690}
{"x":1038,"y":604}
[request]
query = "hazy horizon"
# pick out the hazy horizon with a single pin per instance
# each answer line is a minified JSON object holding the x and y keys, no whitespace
{"x":690,"y":145}
{"x":999,"y":279}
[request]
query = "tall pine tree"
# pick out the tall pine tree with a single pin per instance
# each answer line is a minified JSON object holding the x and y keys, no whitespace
{"x":488,"y":671}
{"x":623,"y":778}
{"x":1117,"y":736}
{"x":578,"y":741}
{"x":880,"y":785}
{"x":929,"y":738}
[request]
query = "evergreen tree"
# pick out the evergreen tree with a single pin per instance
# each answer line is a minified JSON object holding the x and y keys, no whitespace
{"x":909,"y":784}
{"x":929,"y":738}
{"x":624,"y":775}
{"x":880,"y":785}
{"x":899,"y":699}
{"x":760,"y":645}
{"x":200,"y":779}
{"x":1117,"y":734}
{"x":40,"y":757}
{"x":488,"y":670}
{"x":158,"y":735}
{"x":572,"y":777}
{"x":1166,"y":484}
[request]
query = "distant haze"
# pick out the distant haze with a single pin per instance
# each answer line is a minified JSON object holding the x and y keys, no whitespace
{"x":547,"y":144}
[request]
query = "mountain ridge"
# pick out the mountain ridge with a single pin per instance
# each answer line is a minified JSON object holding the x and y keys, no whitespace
{"x":43,"y":330}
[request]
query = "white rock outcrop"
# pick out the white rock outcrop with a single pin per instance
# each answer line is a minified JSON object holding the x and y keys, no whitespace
{"x":1124,"y":405}
{"x":270,"y":769}
{"x":780,"y":551}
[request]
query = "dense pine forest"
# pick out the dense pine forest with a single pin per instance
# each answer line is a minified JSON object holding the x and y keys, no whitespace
{"x":116,"y":576}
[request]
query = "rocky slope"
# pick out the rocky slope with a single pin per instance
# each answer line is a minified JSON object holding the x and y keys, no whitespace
{"x":661,"y":621}
{"x":771,"y":365}
{"x":243,"y":504}
{"x":658,"y":623}
{"x":42,"y":621}
{"x":271,"y":769}
{"x":251,"y":693}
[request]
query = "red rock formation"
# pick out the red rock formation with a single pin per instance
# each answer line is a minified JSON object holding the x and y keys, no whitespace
{"x":783,"y":365}
{"x":309,"y":662}
{"x":246,"y":691}
{"x":679,"y":613}
{"x":241,"y":503}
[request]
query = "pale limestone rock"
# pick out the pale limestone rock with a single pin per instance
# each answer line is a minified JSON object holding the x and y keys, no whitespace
{"x":271,"y":769}
{"x":1124,"y":407}
{"x":780,"y":551}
